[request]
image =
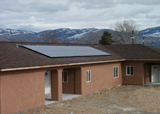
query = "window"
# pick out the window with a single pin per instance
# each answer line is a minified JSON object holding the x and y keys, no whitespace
{"x":115,"y":72}
{"x":129,"y":70}
{"x":146,"y":69}
{"x":65,"y":76}
{"x":88,"y":76}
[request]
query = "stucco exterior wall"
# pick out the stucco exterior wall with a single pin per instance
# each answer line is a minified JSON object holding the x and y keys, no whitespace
{"x":0,"y":93}
{"x":147,"y":77}
{"x":138,"y":76}
{"x":73,"y":86}
{"x":101,"y":77}
{"x":78,"y":81}
{"x":22,"y":90}
{"x":68,"y":88}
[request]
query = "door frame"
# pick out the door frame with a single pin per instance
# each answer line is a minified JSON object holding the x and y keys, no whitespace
{"x":153,"y":72}
{"x":49,"y":74}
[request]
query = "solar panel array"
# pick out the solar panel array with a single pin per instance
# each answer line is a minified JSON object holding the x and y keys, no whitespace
{"x":65,"y":51}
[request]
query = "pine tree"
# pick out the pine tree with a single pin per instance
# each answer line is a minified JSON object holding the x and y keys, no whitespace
{"x":106,"y":38}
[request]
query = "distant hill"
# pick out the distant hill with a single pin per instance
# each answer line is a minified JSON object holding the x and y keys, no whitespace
{"x":67,"y":34}
{"x":151,"y":32}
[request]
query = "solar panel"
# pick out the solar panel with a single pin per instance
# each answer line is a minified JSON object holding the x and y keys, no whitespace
{"x":65,"y":51}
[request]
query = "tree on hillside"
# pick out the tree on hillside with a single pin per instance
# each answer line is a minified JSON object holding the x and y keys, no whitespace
{"x":106,"y":38}
{"x":123,"y":31}
{"x":50,"y":37}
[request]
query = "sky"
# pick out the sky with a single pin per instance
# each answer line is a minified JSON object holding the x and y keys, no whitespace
{"x":38,"y":15}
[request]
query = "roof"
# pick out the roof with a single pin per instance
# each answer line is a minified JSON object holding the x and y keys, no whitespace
{"x":12,"y":56}
{"x":136,"y":51}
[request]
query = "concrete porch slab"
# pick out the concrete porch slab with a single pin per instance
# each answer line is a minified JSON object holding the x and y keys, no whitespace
{"x":152,"y":84}
{"x":64,"y":97}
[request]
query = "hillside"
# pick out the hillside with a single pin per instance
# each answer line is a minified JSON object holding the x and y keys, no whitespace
{"x":70,"y":35}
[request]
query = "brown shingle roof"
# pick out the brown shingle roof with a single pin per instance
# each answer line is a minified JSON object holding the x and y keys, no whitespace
{"x":18,"y":57}
{"x":135,"y":51}
{"x":15,"y":57}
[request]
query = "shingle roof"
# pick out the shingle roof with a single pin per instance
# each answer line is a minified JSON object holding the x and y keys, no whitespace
{"x":15,"y":57}
{"x":12,"y":56}
{"x":136,"y":51}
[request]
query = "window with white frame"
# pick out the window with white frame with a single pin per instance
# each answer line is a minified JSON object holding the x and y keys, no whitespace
{"x":88,"y":76}
{"x":65,"y":76}
{"x":129,"y":70}
{"x":115,"y":72}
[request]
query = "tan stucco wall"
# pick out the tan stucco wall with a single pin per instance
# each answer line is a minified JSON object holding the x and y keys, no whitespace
{"x":78,"y":81}
{"x":22,"y":90}
{"x":68,"y":88}
{"x":101,"y":77}
{"x":56,"y":84}
{"x":73,"y":86}
{"x":138,"y":76}
{"x":147,"y":77}
{"x":0,"y":93}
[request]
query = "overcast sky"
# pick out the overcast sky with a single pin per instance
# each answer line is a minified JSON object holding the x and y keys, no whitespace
{"x":37,"y":15}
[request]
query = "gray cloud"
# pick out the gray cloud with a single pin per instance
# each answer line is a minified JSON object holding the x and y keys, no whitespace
{"x":49,"y":14}
{"x":140,"y":10}
{"x":47,"y":7}
{"x":155,"y":16}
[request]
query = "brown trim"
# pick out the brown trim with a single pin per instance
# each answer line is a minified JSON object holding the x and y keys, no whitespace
{"x":60,"y":65}
{"x":71,"y":64}
{"x":142,"y":59}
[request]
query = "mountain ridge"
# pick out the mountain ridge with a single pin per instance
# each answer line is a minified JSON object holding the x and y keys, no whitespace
{"x":65,"y":34}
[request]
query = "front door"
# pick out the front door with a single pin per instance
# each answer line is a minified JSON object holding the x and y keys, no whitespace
{"x":155,"y":73}
{"x":47,"y":82}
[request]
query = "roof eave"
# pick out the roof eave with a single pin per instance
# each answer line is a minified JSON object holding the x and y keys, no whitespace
{"x":142,"y":59}
{"x":74,"y":64}
{"x":59,"y":65}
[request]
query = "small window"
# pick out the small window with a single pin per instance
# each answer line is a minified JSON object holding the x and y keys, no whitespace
{"x":146,"y":69}
{"x":65,"y":76}
{"x":115,"y":72}
{"x":88,"y":76}
{"x":129,"y":70}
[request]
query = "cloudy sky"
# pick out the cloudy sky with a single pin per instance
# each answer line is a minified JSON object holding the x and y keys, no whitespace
{"x":37,"y":15}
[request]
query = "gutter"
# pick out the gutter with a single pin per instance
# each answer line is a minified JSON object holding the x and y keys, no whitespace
{"x":142,"y":59}
{"x":75,"y":64}
{"x":59,"y":65}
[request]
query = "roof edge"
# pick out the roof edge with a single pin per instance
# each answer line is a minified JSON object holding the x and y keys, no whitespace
{"x":72,"y":64}
{"x":59,"y":65}
{"x":142,"y":59}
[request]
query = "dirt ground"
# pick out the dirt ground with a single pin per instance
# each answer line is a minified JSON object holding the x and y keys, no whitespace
{"x":119,"y":100}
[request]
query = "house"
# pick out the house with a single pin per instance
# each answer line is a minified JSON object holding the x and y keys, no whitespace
{"x":28,"y":71}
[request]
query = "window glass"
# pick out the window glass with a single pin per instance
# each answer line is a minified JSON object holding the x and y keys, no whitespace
{"x":65,"y":76}
{"x":88,"y":76}
{"x":115,"y":72}
{"x":129,"y":70}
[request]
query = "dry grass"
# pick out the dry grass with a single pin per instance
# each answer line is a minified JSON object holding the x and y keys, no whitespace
{"x":120,"y":100}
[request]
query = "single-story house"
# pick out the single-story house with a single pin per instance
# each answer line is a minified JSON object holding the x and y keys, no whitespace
{"x":28,"y":71}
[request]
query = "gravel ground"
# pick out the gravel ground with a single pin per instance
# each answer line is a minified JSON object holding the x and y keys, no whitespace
{"x":119,"y":100}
